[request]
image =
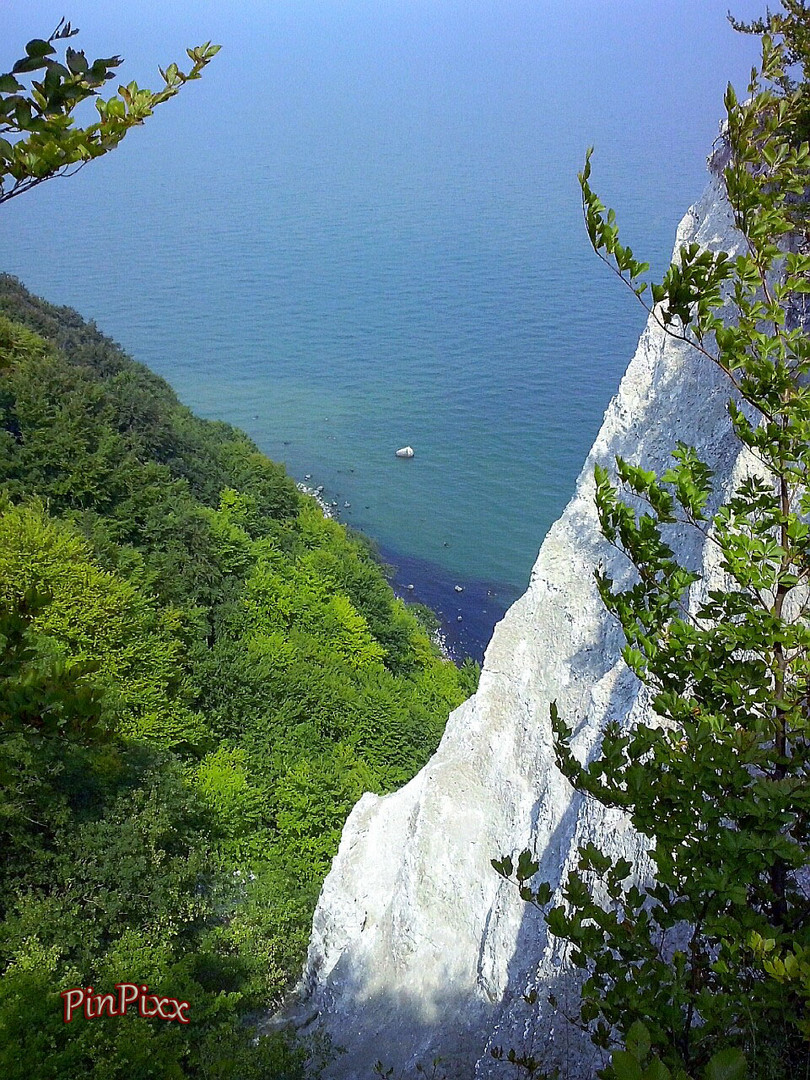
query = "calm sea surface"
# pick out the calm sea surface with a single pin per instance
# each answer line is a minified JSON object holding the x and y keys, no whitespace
{"x":362,"y":229}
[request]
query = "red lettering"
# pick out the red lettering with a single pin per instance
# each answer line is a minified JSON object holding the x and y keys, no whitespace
{"x":107,"y":1000}
{"x":97,"y":1005}
{"x":143,"y":1009}
{"x":127,"y":994}
{"x":165,"y":1001}
{"x":73,"y":999}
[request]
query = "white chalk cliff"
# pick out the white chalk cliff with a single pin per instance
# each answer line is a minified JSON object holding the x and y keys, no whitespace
{"x":418,"y":948}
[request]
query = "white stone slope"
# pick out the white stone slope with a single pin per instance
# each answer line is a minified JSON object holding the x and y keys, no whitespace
{"x":418,"y":948}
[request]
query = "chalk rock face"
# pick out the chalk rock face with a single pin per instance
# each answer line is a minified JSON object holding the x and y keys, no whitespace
{"x":418,"y":948}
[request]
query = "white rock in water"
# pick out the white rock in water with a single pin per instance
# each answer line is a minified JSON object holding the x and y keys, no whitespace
{"x":418,"y":947}
{"x":406,"y":451}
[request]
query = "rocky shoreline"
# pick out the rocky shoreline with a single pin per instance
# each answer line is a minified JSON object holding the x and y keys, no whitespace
{"x":467,"y":610}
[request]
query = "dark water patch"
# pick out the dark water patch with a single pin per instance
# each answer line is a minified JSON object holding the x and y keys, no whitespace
{"x":468,"y":616}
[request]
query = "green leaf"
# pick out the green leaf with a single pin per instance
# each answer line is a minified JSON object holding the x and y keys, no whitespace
{"x":657,"y":1070}
{"x":728,"y":1064}
{"x":625,"y":1066}
{"x":29,"y":63}
{"x":38,"y":48}
{"x":637,"y":1041}
{"x":527,"y":867}
{"x":76,"y":61}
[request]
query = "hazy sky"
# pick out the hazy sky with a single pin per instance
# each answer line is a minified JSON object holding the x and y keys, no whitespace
{"x":373,"y":70}
{"x":448,"y":39}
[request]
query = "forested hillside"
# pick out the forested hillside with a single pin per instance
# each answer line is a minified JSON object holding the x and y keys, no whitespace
{"x":200,"y":675}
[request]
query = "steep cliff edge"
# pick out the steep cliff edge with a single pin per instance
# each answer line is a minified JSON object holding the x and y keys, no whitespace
{"x":418,"y":948}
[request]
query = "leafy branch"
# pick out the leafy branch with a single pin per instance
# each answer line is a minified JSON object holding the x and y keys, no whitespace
{"x":39,"y":138}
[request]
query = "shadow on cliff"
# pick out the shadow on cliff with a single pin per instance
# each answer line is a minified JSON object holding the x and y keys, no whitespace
{"x":397,"y":1028}
{"x":447,"y":1035}
{"x":394,"y":1031}
{"x":524,"y":1020}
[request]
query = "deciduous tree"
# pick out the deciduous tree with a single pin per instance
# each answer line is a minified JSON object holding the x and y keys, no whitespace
{"x":705,"y":971}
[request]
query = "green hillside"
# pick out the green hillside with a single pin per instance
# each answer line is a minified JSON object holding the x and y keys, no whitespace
{"x":200,"y":676}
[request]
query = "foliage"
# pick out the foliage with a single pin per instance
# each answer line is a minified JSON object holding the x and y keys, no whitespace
{"x":200,"y":675}
{"x":96,"y":621}
{"x":702,"y":971}
{"x":42,"y":693}
{"x":38,"y":136}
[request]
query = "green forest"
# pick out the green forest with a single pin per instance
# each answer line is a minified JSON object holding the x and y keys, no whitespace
{"x":200,"y":676}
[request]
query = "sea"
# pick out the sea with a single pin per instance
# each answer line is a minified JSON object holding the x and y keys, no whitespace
{"x":361,"y":230}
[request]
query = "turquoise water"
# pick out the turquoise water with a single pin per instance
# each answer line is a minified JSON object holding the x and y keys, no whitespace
{"x":362,"y":230}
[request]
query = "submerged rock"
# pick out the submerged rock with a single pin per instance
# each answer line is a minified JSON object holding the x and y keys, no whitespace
{"x":418,"y":947}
